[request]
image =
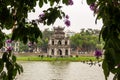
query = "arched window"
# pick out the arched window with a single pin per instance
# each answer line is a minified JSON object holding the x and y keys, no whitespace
{"x":66,"y":43}
{"x":59,"y":42}
{"x":52,"y":42}
{"x":59,"y":52}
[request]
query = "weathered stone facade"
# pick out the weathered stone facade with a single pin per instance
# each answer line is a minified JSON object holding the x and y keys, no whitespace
{"x":58,"y":44}
{"x":15,"y":46}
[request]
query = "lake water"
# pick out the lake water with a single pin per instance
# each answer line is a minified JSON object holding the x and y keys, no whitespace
{"x":60,"y":71}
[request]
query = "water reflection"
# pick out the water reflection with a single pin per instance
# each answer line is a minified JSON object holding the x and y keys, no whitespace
{"x":60,"y":71}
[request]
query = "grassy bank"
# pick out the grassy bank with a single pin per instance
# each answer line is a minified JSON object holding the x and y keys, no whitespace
{"x":35,"y":58}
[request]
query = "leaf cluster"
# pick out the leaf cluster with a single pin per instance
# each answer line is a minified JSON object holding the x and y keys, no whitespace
{"x":52,"y":2}
{"x":109,"y":12}
{"x":26,"y":32}
{"x":52,"y":14}
{"x":86,"y":40}
{"x":9,"y":61}
{"x":13,"y":15}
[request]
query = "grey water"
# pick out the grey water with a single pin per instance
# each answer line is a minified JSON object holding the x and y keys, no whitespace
{"x":60,"y":71}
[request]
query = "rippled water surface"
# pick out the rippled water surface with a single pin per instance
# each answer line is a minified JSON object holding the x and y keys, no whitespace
{"x":60,"y":71}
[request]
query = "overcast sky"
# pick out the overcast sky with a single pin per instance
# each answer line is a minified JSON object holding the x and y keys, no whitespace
{"x":80,"y":16}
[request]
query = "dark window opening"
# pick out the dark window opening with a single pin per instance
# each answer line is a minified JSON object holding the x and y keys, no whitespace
{"x":59,"y":43}
{"x":52,"y":52}
{"x":52,"y":42}
{"x":66,"y":52}
{"x":65,"y":42}
{"x":60,"y":52}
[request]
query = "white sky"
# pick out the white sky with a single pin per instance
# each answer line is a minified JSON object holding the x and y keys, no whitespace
{"x":80,"y":16}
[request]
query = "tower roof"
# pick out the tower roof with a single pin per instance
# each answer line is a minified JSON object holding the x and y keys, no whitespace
{"x":59,"y":28}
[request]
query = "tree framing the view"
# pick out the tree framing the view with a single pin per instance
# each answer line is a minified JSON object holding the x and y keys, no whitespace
{"x":109,"y":12}
{"x":14,"y":13}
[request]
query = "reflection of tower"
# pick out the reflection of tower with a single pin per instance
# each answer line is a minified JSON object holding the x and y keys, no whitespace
{"x":58,"y":44}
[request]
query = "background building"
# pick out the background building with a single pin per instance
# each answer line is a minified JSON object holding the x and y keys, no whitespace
{"x":69,"y":33}
{"x":15,"y":46}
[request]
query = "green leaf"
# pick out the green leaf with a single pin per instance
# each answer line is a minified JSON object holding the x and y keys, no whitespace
{"x":25,"y":39}
{"x":51,"y":2}
{"x":4,"y":57}
{"x":1,"y":44}
{"x":63,"y":14}
{"x":1,"y":65}
{"x":14,"y":37}
{"x":2,"y":38}
{"x":40,"y":3}
{"x":14,"y":58}
{"x":105,"y":33}
{"x":57,"y":1}
{"x":116,"y":70}
{"x":33,"y":10}
{"x":65,"y":2}
{"x":105,"y":68}
{"x":19,"y":68}
{"x":90,"y":1}
{"x":4,"y":75}
{"x":45,"y":1}
{"x":40,"y":34}
{"x":14,"y":72}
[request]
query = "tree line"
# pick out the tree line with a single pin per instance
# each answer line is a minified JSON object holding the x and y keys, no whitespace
{"x":83,"y":41}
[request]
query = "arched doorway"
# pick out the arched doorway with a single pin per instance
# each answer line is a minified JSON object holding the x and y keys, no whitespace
{"x":66,"y":52}
{"x":59,"y":52}
{"x":52,"y":52}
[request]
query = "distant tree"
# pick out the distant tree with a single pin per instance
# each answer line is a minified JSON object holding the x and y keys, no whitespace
{"x":75,"y":41}
{"x":23,"y":47}
{"x":43,"y":43}
{"x":86,"y":40}
{"x":47,"y":33}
